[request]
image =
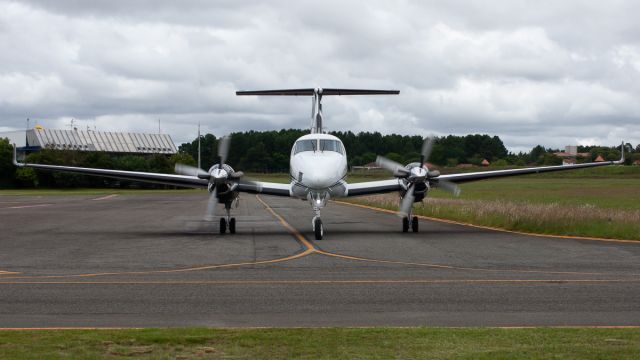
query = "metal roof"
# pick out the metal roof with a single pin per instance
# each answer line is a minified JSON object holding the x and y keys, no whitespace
{"x":88,"y":140}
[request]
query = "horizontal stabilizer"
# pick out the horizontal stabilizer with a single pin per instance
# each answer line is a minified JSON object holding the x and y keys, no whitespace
{"x":320,"y":91}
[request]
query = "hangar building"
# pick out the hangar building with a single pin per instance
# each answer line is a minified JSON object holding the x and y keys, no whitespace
{"x":88,"y":140}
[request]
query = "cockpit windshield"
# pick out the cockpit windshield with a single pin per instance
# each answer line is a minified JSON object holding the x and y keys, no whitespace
{"x":306,"y":145}
{"x":331,"y":145}
{"x":319,"y":145}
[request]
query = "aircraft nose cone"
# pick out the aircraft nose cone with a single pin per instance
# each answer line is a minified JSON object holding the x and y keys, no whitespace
{"x":316,"y":179}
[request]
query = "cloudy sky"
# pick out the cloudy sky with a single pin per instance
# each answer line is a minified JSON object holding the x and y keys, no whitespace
{"x":544,"y":72}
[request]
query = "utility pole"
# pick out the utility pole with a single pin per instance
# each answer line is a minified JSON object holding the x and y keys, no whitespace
{"x":159,"y":132}
{"x":199,"y":165}
{"x":26,"y":137}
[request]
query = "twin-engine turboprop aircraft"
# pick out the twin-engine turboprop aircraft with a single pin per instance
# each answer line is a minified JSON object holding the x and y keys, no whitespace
{"x":318,"y":171}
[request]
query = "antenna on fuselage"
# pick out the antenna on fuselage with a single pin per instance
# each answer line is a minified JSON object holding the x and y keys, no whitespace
{"x":316,"y":104}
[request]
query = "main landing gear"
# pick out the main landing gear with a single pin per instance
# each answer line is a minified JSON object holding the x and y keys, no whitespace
{"x":413,"y":223}
{"x":230,"y":224}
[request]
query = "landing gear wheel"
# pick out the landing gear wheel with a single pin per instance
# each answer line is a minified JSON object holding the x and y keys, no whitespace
{"x":414,"y":224}
{"x":232,"y":225}
{"x":317,"y":228}
{"x":223,"y":225}
{"x":405,"y":224}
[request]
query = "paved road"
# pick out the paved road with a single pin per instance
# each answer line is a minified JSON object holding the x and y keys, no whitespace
{"x":148,"y":260}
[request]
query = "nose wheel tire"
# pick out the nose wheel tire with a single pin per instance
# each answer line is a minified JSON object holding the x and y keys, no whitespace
{"x":232,"y":225}
{"x":223,"y":225}
{"x":414,"y":224}
{"x":317,"y":228}
{"x":405,"y":224}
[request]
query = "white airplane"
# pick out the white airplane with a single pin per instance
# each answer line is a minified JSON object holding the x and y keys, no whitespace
{"x":318,"y":171}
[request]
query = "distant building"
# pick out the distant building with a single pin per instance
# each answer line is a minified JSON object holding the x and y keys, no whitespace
{"x":366,"y":167}
{"x":599,"y":159}
{"x":485,"y":162}
{"x":570,"y":154}
{"x":88,"y":140}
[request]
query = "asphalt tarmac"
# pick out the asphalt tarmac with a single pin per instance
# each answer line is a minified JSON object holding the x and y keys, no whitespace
{"x":149,"y":260}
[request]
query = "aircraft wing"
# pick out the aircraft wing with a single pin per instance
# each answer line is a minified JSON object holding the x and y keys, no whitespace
{"x":160,"y":178}
{"x":386,"y":186}
{"x":481,"y":175}
{"x":267,"y":188}
{"x":373,"y":187}
{"x":157,"y":178}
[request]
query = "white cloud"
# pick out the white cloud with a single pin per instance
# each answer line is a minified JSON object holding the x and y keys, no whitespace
{"x":547,"y":73}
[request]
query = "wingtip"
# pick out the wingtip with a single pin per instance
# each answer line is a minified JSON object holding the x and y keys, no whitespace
{"x":15,"y":156}
{"x":622,"y":159}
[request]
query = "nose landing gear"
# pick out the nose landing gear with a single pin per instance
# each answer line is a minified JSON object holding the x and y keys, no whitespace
{"x":318,"y":201}
{"x":228,"y":221}
{"x":318,"y":230}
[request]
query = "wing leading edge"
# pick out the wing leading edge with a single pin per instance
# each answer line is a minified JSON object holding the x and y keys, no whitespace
{"x":387,"y":186}
{"x":481,"y":175}
{"x":159,"y":178}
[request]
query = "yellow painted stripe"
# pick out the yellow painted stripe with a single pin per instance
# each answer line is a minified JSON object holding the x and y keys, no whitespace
{"x":327,"y":282}
{"x":349,"y":327}
{"x":308,"y":248}
{"x":8,"y":272}
{"x":66,"y":328}
{"x":168,"y":271}
{"x":105,"y":197}
{"x":490,"y":227}
{"x":28,"y":206}
{"x":453,"y":267}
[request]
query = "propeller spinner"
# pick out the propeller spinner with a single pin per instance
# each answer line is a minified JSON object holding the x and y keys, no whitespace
{"x":415,"y":174}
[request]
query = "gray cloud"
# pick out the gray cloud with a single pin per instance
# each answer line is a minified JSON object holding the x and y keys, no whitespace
{"x":551,"y":73}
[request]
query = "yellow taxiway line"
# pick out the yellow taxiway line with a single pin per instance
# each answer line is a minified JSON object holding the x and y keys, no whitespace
{"x":327,"y":282}
{"x":490,"y":227}
{"x":349,"y":327}
{"x":8,"y":273}
{"x":308,"y":248}
{"x":105,"y":197}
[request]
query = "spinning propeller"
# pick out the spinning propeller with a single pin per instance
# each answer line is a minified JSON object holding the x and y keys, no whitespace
{"x":416,"y":173}
{"x":220,"y":174}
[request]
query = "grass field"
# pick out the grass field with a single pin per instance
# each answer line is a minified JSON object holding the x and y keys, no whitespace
{"x":323,"y":343}
{"x":600,"y":202}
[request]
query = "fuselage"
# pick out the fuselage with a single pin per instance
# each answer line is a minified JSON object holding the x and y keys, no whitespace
{"x":318,"y":166}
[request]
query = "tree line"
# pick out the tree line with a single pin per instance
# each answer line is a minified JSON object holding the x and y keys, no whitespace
{"x":269,"y":151}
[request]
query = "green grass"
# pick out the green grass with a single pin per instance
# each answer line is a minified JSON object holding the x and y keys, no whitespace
{"x":600,"y":202}
{"x":610,"y":193}
{"x":323,"y":343}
